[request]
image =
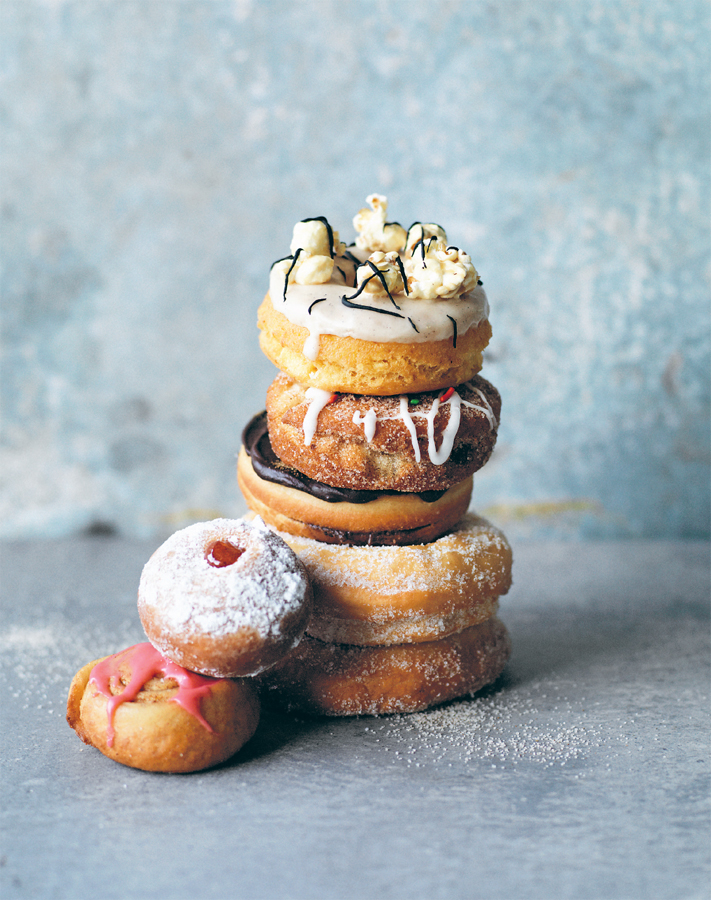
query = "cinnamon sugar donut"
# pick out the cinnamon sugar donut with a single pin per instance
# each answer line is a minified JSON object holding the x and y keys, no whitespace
{"x":406,"y":594}
{"x":141,"y":709}
{"x":351,"y":363}
{"x":291,"y":502}
{"x":414,"y":442}
{"x":224,"y":598}
{"x":338,"y":680}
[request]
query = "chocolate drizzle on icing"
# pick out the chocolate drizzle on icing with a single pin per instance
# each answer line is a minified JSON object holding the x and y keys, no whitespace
{"x":381,"y":278}
{"x":291,"y":269}
{"x":318,"y":300}
{"x":385,"y":312}
{"x":325,"y":222}
{"x":402,"y":275}
{"x":269,"y":467}
{"x":454,"y":327}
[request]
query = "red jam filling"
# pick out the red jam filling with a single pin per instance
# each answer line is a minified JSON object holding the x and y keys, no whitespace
{"x":146,"y":663}
{"x":221,"y":553}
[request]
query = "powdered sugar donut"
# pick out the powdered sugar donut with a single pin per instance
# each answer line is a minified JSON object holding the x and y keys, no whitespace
{"x":406,"y":594}
{"x":225,"y":598}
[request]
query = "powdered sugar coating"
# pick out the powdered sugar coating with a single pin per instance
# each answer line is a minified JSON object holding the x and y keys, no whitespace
{"x":183,"y":598}
{"x":452,"y":563}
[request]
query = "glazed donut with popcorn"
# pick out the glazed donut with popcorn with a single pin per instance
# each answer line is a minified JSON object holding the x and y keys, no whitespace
{"x":398,"y":312}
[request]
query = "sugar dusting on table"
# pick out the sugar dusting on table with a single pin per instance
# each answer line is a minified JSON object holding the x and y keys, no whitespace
{"x":536,"y":724}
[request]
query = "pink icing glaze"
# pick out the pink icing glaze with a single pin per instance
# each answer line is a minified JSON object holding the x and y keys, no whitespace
{"x":146,"y":662}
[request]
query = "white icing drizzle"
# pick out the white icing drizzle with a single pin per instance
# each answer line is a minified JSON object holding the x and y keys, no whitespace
{"x":318,"y":399}
{"x":438,"y":457}
{"x":311,"y":345}
{"x":410,"y":425}
{"x":486,"y":409}
{"x":368,"y":421}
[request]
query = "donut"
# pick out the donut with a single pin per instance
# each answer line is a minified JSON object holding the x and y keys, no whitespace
{"x":353,"y":363}
{"x":397,"y":312}
{"x":291,"y":502}
{"x":141,"y":709}
{"x":224,"y":598}
{"x":406,"y":594}
{"x":340,"y":680}
{"x":415,"y":442}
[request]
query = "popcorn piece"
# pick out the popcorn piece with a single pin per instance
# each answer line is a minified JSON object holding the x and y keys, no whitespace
{"x":420,"y":231}
{"x":388,"y":265}
{"x":438,"y":271}
{"x":313,"y":246}
{"x":313,"y":269}
{"x":314,"y":236}
{"x":374,"y":233}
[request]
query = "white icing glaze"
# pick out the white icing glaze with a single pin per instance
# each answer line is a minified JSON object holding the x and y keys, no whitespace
{"x":416,"y":321}
{"x":311,"y":345}
{"x":486,"y":409}
{"x":437,"y":455}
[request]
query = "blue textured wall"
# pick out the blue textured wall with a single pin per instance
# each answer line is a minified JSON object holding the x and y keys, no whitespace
{"x":155,"y":156}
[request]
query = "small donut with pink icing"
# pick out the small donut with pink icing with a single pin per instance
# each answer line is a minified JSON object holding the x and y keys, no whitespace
{"x":226,"y":598}
{"x":141,"y":709}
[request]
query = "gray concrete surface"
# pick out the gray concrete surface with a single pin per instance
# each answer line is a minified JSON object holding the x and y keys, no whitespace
{"x":583,"y":774}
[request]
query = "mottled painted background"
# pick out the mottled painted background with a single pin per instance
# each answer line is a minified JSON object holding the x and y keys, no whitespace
{"x":155,"y":156}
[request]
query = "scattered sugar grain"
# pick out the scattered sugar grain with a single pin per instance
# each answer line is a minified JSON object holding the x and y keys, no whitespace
{"x":506,"y":728}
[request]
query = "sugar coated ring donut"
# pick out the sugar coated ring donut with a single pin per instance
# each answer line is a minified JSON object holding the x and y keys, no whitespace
{"x":339,"y":680}
{"x":370,"y":367}
{"x":390,"y":518}
{"x":387,"y":595}
{"x":224,"y":598}
{"x":426,"y":441}
{"x":141,"y":709}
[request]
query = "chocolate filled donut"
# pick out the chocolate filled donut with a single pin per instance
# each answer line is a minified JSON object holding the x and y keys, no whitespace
{"x":412,"y":442}
{"x":293,"y":503}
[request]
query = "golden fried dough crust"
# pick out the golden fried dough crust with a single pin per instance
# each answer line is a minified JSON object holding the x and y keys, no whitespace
{"x":401,"y":518}
{"x":370,"y":367}
{"x":153,"y":732}
{"x":340,"y":453}
{"x":403,"y":594}
{"x":339,"y":680}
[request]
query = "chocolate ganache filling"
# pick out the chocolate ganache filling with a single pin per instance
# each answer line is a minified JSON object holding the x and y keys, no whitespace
{"x":268,"y":466}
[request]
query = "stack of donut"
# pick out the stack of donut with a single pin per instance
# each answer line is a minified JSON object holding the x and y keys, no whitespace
{"x":363,"y":463}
